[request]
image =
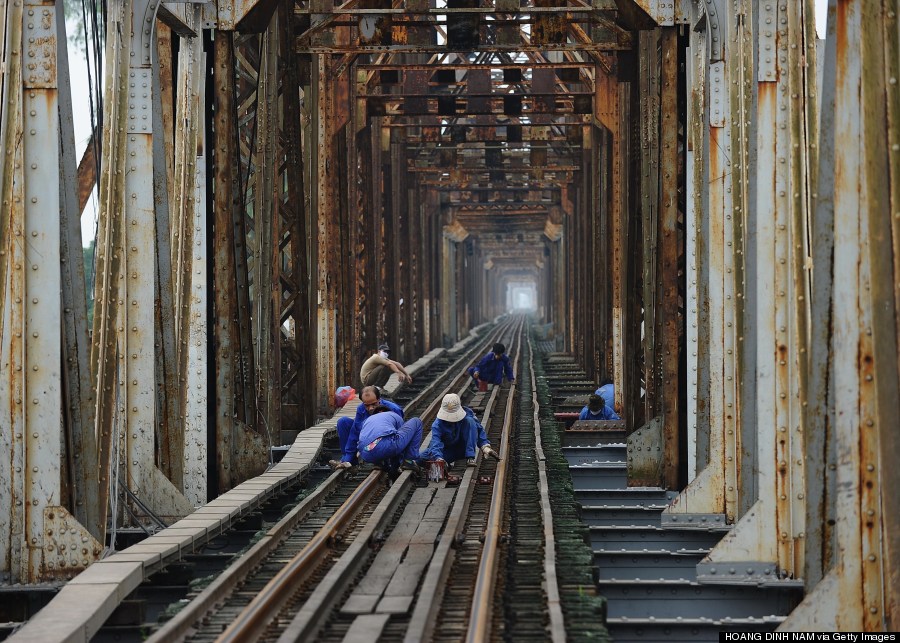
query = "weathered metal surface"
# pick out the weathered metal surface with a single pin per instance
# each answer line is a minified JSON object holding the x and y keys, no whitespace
{"x":266,"y":309}
{"x":618,"y":211}
{"x":184,"y":213}
{"x":196,"y":364}
{"x":227,"y":338}
{"x":666,"y":12}
{"x":697,"y":433}
{"x":78,"y":405}
{"x":126,"y":314}
{"x":712,"y":241}
{"x":36,"y":366}
{"x":645,"y":450}
{"x":240,"y":451}
{"x":299,"y":372}
{"x":820,"y":442}
{"x":888,"y":441}
{"x":324,"y":204}
{"x":648,"y":80}
{"x":668,"y":242}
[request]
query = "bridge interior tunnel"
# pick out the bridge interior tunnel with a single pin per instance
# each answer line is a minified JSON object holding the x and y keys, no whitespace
{"x":684,"y":196}
{"x":541,"y":155}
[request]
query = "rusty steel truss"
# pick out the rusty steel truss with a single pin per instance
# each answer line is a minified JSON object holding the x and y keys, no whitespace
{"x":705,"y":206}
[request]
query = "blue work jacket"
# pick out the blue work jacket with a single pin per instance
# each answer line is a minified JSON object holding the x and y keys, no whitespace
{"x":492,"y":370}
{"x":362,"y":414}
{"x":378,"y":426}
{"x":606,"y":413}
{"x":608,"y":393}
{"x":449,"y":439}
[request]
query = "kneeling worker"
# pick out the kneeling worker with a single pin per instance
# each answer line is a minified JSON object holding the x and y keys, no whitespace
{"x":492,"y":367}
{"x":597,"y":409}
{"x":386,"y":439}
{"x":348,"y":430}
{"x":456,"y":434}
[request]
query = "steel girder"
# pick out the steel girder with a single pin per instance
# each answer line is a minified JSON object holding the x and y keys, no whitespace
{"x":40,"y":539}
{"x":134,"y":273}
{"x":852,"y":443}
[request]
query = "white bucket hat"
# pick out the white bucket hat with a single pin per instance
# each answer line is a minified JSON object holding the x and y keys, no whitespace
{"x":451,"y":408}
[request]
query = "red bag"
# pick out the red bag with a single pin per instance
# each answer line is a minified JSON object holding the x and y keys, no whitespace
{"x":343,"y":395}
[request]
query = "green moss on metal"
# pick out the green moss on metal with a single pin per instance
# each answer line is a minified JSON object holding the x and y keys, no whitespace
{"x":583,"y":608}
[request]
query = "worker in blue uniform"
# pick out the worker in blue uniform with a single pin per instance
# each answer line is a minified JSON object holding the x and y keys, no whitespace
{"x":386,"y":440}
{"x":597,"y":409}
{"x":608,"y":392}
{"x":348,"y":430}
{"x":493,"y":367}
{"x":457,"y":434}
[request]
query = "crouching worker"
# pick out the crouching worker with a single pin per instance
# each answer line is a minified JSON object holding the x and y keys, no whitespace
{"x":387,"y":441}
{"x":348,"y":430}
{"x":492,"y":368}
{"x":457,"y":434}
{"x":597,"y":409}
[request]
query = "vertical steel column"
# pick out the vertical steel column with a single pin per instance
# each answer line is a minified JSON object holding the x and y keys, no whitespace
{"x":326,"y":213}
{"x":30,"y":332}
{"x":295,"y":214}
{"x":81,"y":445}
{"x":717,"y":186}
{"x":670,"y":335}
{"x":265,"y":306}
{"x":860,"y":591}
{"x":695,"y":79}
{"x":186,"y":422}
{"x":617,"y":214}
{"x":821,"y":449}
{"x":123,"y":363}
{"x":240,"y":450}
{"x":648,"y":79}
{"x":773,"y":527}
{"x":196,"y":369}
{"x":225,"y":307}
{"x":889,"y":441}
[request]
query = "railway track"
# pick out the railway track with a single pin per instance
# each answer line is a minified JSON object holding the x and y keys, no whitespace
{"x":357,"y":557}
{"x":410,"y":562}
{"x":380,"y":562}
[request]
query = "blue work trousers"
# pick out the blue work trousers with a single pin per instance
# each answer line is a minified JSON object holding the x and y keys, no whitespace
{"x":403,"y":445}
{"x":344,"y":431}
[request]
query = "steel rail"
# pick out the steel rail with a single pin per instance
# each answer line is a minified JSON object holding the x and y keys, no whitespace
{"x":465,"y":358}
{"x":247,"y":626}
{"x":256,"y":616}
{"x":551,"y":582}
{"x":176,"y":627}
{"x":480,"y":615}
{"x":428,"y":603}
{"x":316,"y":609}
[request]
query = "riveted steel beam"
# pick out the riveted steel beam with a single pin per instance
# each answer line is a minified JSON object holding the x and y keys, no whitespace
{"x":300,"y":372}
{"x":35,"y":252}
{"x":266,"y":304}
{"x":858,"y":367}
{"x":670,"y":335}
{"x":78,"y":405}
{"x":185,"y":420}
{"x":131,"y":247}
{"x":772,"y":527}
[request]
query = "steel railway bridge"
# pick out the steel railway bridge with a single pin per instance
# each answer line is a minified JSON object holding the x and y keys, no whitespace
{"x":698,"y":200}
